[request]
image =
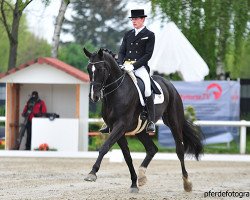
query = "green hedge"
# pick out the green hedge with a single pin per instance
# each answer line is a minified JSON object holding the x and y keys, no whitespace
{"x":2,"y":110}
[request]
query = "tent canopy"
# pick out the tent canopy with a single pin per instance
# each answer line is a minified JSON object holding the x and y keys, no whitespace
{"x":174,"y":53}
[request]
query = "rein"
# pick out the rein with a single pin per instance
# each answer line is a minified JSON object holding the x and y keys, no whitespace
{"x":106,"y":86}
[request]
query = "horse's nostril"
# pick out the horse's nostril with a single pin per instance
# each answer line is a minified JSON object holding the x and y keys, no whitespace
{"x":96,"y":99}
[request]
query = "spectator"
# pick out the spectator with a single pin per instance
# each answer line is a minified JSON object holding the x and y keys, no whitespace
{"x":35,"y":107}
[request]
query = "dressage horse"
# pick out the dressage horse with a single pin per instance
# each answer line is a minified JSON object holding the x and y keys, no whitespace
{"x":121,"y":109}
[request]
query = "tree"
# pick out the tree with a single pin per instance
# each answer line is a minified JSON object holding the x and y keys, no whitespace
{"x":30,"y":46}
{"x":58,"y":27}
{"x":12,"y":29}
{"x":4,"y":49}
{"x":242,"y":69}
{"x":244,"y":61}
{"x":212,"y":26}
{"x":100,"y":22}
{"x":72,"y":54}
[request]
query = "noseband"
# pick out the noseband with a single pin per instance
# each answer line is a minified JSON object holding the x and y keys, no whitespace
{"x":105,"y":87}
{"x":93,"y":63}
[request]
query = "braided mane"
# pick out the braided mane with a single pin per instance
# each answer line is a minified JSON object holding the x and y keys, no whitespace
{"x":114,"y":55}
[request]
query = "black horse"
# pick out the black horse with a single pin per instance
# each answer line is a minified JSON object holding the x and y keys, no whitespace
{"x":121,"y":109}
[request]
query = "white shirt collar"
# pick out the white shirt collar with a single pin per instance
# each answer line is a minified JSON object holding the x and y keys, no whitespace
{"x":138,"y":30}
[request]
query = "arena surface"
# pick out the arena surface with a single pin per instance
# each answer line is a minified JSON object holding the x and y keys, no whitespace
{"x":62,"y":178}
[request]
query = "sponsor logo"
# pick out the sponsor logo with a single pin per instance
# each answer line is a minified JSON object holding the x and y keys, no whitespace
{"x":213,"y":90}
{"x":216,"y":90}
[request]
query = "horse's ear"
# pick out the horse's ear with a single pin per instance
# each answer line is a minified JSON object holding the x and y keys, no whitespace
{"x":100,"y":53}
{"x":87,"y":53}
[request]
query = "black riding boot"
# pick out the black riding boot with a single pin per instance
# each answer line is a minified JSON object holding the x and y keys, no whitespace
{"x":151,"y":114}
{"x":104,"y":129}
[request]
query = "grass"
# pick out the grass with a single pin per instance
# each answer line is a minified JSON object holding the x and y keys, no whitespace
{"x":136,"y":146}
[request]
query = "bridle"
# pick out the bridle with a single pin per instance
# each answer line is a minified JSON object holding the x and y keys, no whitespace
{"x":103,"y":86}
{"x":93,"y":65}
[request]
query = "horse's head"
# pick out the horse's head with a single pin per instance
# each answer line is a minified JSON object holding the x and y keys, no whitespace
{"x":98,"y":70}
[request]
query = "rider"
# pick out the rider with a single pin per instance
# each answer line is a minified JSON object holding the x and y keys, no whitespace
{"x":135,"y":52}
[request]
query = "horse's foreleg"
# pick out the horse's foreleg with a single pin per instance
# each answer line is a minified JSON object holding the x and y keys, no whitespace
{"x":122,"y":142}
{"x":151,"y":150}
{"x":112,"y":139}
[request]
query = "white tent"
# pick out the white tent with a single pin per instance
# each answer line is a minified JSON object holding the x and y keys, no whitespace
{"x":174,"y":53}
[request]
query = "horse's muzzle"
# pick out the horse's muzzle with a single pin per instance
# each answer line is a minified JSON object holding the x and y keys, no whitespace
{"x":94,"y":97}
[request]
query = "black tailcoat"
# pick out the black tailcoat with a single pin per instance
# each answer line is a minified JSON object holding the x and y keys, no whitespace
{"x":137,"y":48}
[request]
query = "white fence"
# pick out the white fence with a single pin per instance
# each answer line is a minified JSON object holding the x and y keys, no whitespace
{"x":242,"y":124}
{"x":2,"y":119}
{"x":243,"y":129}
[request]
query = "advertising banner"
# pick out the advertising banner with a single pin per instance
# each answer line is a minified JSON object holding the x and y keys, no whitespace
{"x":212,"y":100}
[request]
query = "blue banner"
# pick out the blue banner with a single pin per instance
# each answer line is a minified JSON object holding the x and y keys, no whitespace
{"x":212,"y":100}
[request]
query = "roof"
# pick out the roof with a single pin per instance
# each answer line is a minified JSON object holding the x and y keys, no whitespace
{"x":58,"y":64}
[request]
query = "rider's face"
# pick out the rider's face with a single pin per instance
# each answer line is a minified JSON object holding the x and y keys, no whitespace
{"x":138,"y":22}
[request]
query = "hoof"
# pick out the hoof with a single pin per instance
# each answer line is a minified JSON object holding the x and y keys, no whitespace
{"x":142,"y":179}
{"x":187,"y":185}
{"x":91,"y":177}
{"x":134,"y":190}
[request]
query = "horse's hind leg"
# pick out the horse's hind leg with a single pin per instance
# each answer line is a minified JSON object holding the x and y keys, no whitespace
{"x":122,"y":142}
{"x":175,"y":124}
{"x":151,"y":150}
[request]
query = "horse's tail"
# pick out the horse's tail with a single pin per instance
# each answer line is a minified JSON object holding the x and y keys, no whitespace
{"x":192,"y":138}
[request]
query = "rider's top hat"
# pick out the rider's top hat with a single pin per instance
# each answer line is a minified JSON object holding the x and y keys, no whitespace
{"x":137,"y":13}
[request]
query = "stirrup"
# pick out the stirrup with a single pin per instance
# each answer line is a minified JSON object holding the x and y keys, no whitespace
{"x":150,"y":127}
{"x":104,"y":129}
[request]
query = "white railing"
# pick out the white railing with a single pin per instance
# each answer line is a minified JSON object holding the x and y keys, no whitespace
{"x":2,"y":119}
{"x":242,"y":124}
{"x":243,"y":129}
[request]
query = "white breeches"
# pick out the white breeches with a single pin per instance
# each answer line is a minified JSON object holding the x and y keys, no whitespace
{"x":144,"y":75}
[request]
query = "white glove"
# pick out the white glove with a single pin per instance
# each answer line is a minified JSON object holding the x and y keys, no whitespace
{"x":128,"y":67}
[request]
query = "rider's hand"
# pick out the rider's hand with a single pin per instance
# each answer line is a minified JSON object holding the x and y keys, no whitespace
{"x":128,"y":67}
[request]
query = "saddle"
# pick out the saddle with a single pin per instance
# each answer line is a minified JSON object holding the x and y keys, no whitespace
{"x":155,"y":87}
